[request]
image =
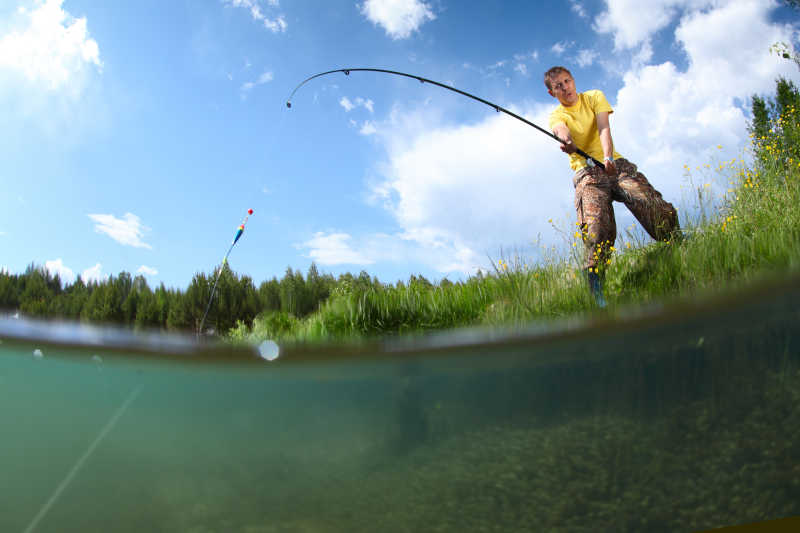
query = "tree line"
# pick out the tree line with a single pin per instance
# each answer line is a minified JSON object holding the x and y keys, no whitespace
{"x":129,"y":301}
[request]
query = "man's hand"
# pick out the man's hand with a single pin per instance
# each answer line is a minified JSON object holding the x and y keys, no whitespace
{"x":568,"y":147}
{"x":611,"y":167}
{"x":561,"y":131}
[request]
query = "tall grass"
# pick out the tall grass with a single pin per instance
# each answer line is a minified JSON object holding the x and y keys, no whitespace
{"x":751,"y":231}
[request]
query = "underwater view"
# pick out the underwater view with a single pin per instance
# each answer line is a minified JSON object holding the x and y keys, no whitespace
{"x":679,"y":417}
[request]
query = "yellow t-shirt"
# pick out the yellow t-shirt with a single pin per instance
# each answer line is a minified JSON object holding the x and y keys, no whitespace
{"x":581,"y":120}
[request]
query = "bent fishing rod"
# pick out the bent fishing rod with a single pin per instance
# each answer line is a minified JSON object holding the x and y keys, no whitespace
{"x":591,"y":161}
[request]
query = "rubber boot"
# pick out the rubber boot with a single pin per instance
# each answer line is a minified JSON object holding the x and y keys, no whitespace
{"x":596,"y":288}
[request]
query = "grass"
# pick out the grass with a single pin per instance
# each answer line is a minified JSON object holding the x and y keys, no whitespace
{"x":749,"y":232}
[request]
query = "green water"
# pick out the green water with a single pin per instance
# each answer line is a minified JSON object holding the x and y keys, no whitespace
{"x":674,"y":419}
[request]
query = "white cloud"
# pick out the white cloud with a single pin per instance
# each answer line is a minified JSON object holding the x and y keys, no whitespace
{"x":265,"y":77}
{"x":399,"y":18}
{"x":667,"y":118}
{"x":560,"y":47}
{"x":586,"y":57}
{"x":146,"y":270}
{"x":368,"y":128}
{"x":349,"y":105}
{"x":346,"y":104}
{"x":633,"y":22}
{"x":94,"y":274}
{"x":459,"y":193}
{"x":56,"y":266}
{"x":275,"y":24}
{"x":368,"y":104}
{"x":521,"y":68}
{"x":127,"y":230}
{"x":578,"y":9}
{"x":50,"y":47}
{"x":334,"y":249}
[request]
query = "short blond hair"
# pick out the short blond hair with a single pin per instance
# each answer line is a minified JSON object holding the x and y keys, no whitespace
{"x":552,"y":73}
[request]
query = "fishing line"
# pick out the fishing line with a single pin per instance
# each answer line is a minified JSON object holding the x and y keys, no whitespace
{"x":591,"y":161}
{"x":239,"y":232}
{"x":89,"y":451}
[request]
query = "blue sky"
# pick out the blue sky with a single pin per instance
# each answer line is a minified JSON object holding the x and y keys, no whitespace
{"x":135,"y":135}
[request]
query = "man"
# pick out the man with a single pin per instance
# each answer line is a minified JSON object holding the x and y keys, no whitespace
{"x":581,"y":121}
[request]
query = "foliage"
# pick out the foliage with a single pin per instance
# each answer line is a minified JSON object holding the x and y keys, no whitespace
{"x":127,"y":301}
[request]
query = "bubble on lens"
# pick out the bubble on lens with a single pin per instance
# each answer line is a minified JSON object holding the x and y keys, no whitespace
{"x":269,"y":350}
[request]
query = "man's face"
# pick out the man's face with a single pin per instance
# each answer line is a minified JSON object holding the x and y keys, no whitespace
{"x":562,"y":86}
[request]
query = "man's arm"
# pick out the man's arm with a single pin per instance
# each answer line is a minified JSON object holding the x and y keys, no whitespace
{"x":561,"y":131}
{"x":604,"y":130}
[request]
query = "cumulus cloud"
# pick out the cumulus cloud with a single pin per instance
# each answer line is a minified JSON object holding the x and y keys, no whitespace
{"x":399,"y":18}
{"x":668,"y":117}
{"x":459,"y":193}
{"x":334,"y":249}
{"x":94,"y":274}
{"x":56,"y":266}
{"x":632,"y":23}
{"x":147,"y":271}
{"x":338,"y":248}
{"x":49,"y":47}
{"x":127,"y":230}
{"x":275,"y":24}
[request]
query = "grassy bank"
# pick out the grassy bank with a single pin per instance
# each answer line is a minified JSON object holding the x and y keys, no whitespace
{"x":750,"y":231}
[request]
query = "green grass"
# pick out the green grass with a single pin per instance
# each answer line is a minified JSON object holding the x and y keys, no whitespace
{"x":750,"y":232}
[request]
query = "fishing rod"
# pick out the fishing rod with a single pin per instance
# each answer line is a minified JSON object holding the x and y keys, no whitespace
{"x":591,"y":161}
{"x":239,"y":232}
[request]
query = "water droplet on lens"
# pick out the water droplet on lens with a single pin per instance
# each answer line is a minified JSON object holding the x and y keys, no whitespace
{"x":269,"y":350}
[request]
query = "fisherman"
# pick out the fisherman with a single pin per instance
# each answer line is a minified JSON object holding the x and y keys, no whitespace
{"x":581,"y":122}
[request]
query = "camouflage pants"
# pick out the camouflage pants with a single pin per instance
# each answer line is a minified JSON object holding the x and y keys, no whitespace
{"x":594,"y":192}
